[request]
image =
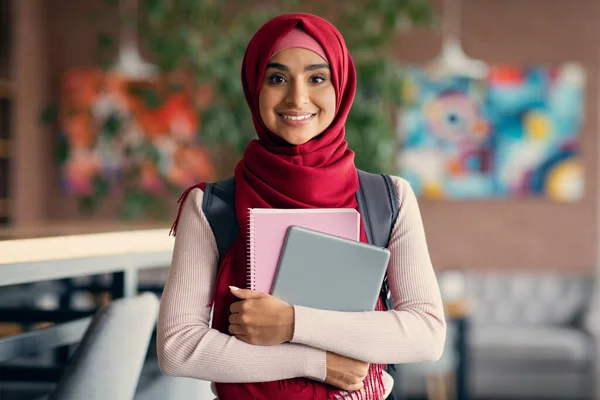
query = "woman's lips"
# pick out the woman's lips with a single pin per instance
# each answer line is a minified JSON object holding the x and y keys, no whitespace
{"x":296,"y":119}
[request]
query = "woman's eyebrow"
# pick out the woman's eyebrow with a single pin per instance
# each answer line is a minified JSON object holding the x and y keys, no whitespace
{"x":278,"y":66}
{"x":311,"y":67}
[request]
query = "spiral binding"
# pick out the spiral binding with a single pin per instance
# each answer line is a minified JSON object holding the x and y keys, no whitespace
{"x":251,"y":271}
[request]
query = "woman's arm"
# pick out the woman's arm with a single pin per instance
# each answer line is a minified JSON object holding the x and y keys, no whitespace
{"x":186,"y":344}
{"x":414,"y":331}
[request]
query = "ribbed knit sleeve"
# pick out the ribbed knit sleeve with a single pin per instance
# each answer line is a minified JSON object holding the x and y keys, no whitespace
{"x":186,"y":344}
{"x":415,"y":330}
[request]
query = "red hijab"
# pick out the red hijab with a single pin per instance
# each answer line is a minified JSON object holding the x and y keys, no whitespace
{"x":274,"y":174}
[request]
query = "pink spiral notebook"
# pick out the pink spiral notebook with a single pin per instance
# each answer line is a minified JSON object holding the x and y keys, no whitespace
{"x":268,"y":229}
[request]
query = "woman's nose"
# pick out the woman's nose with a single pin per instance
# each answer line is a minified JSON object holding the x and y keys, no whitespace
{"x":297,"y":94}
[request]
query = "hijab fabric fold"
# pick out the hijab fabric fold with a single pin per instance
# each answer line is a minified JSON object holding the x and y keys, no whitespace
{"x":274,"y":174}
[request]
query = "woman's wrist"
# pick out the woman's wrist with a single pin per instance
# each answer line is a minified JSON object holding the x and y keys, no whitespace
{"x":289,"y":323}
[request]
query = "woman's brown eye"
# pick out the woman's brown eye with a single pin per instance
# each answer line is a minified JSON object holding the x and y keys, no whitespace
{"x":317,"y":79}
{"x":276,"y":79}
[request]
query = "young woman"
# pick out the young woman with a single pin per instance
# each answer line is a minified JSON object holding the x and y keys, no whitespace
{"x":299,"y":82}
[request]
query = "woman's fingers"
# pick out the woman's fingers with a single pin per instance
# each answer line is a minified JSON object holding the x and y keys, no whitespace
{"x":235,"y":319}
{"x":352,"y":380}
{"x":237,"y":329}
{"x":349,"y":387}
{"x":355,"y":387}
{"x":345,"y":381}
{"x":236,"y":307}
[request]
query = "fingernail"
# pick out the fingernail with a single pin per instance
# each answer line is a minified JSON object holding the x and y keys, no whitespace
{"x":234,"y":288}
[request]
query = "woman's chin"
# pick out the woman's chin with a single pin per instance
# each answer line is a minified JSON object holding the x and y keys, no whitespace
{"x":297,"y":142}
{"x":296,"y":139}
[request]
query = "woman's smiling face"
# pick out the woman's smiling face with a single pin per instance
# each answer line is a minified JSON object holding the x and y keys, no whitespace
{"x":297,"y":98}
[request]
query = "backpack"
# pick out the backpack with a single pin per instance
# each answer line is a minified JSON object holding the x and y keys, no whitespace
{"x":376,"y":197}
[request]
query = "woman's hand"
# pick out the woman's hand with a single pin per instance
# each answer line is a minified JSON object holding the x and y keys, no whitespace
{"x":346,"y":373}
{"x":260,"y":318}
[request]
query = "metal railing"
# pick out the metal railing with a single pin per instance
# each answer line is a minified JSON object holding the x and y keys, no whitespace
{"x":124,"y":269}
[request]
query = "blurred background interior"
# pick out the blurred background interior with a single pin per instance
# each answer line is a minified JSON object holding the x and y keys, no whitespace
{"x":109,"y":109}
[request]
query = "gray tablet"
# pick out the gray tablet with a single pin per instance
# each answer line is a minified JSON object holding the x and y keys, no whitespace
{"x":330,"y":273}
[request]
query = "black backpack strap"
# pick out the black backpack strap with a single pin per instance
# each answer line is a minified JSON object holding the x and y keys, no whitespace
{"x":379,"y":213}
{"x":378,"y":202}
{"x":218,"y":205}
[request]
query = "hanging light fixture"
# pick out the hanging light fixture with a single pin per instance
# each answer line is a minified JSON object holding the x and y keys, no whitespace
{"x":130,"y":63}
{"x":452,"y":61}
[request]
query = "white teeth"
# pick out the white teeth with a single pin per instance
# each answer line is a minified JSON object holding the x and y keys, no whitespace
{"x":294,"y":118}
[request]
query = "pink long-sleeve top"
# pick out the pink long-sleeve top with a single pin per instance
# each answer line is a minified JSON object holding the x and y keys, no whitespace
{"x":414,"y":331}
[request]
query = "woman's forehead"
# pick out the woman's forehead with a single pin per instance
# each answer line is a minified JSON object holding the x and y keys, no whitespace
{"x":296,"y":57}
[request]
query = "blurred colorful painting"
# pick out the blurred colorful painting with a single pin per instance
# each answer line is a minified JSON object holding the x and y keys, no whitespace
{"x":515,"y":134}
{"x":139,"y":138}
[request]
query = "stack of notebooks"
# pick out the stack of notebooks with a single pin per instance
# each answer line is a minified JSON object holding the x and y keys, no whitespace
{"x":313,"y":258}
